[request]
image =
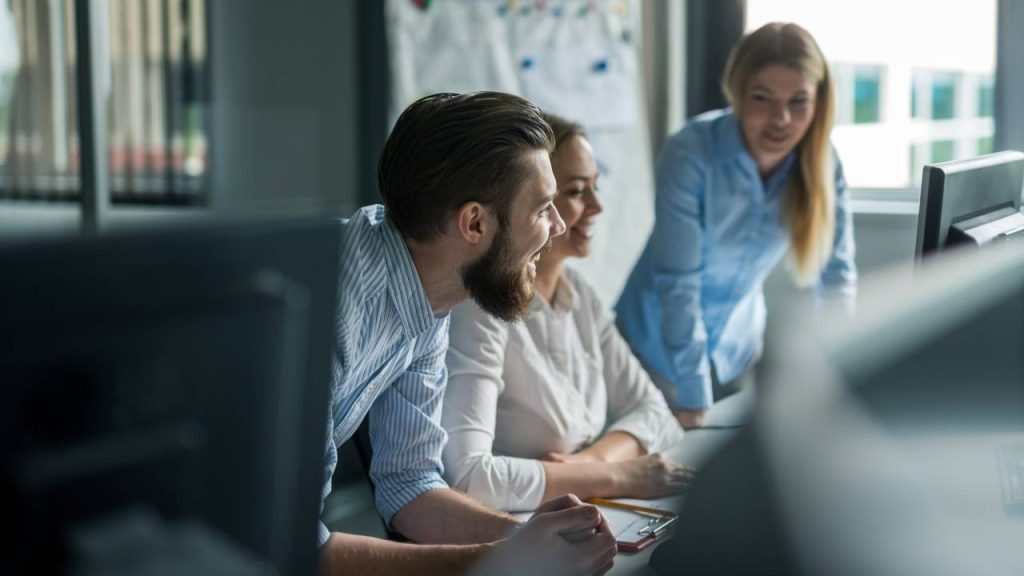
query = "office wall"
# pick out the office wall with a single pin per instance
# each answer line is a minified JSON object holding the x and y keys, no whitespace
{"x":884,"y":241}
{"x":285,"y":106}
{"x":1009,"y":77}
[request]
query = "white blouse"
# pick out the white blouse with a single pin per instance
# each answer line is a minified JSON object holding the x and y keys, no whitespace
{"x":555,"y":382}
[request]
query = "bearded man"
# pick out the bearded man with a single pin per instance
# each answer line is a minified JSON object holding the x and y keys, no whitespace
{"x":467,"y":187}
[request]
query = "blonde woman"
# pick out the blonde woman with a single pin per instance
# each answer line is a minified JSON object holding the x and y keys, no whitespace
{"x":556,"y":403}
{"x":738,"y":189}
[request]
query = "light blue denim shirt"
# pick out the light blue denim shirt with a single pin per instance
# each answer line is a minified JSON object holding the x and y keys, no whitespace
{"x":389,"y":361}
{"x":695,"y":296}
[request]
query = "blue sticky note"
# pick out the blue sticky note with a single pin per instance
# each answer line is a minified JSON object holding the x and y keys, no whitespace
{"x":526,"y":63}
{"x":601,"y":66}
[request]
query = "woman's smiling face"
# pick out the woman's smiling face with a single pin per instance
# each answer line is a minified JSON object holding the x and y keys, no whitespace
{"x":576,"y":176}
{"x":777,"y":109}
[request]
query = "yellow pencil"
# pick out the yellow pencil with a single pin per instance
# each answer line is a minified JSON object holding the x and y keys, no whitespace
{"x":630,"y":507}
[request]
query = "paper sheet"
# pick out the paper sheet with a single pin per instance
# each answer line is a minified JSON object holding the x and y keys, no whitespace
{"x":626,"y":524}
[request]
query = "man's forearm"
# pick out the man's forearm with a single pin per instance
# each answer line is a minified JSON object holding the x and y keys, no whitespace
{"x":450,"y":517}
{"x":352,"y":554}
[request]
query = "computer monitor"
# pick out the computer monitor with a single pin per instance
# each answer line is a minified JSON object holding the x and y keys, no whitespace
{"x":163,"y":398}
{"x":974,"y":201}
{"x":874,"y":448}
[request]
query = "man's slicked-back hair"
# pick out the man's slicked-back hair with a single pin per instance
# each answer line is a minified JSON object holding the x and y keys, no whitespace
{"x":449,"y":149}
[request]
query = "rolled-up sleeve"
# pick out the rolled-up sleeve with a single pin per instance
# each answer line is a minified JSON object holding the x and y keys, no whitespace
{"x":476,"y":359}
{"x":406,"y":432}
{"x":838,"y":281}
{"x":677,"y":241}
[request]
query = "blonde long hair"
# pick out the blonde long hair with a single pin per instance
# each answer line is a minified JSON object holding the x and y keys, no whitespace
{"x":809,"y":200}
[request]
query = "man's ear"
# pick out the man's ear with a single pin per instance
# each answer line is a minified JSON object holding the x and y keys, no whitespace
{"x":473,"y":221}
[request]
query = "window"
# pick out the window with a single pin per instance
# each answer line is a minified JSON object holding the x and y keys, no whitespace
{"x":986,"y":97}
{"x":984,"y":145}
{"x":915,"y":162}
{"x":942,"y":151}
{"x":156,"y":113}
{"x":858,"y":93}
{"x":943,"y":96}
{"x":915,"y":107}
{"x":931,"y":97}
{"x":866,"y":101}
{"x":937,"y":151}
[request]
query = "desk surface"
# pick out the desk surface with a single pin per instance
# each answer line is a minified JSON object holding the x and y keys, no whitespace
{"x":697,"y":446}
{"x":947,"y":481}
{"x":350,"y":507}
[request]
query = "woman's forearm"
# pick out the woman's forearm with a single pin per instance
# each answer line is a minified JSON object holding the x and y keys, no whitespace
{"x":584,"y":479}
{"x":614,"y":446}
{"x":650,"y":476}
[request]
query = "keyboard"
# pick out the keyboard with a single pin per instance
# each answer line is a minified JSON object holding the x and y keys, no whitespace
{"x":1011,"y":468}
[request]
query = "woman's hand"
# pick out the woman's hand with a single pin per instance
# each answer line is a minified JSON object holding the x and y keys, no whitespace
{"x":691,"y":418}
{"x":651,"y":476}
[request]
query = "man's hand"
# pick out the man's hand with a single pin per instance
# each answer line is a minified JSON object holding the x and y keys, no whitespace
{"x":564,"y":536}
{"x":691,"y":418}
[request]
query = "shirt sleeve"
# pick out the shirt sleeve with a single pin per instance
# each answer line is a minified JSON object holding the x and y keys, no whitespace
{"x":405,"y":429}
{"x":838,"y":281}
{"x":677,"y":246}
{"x":635,"y":405}
{"x":476,"y":358}
{"x":330,"y":463}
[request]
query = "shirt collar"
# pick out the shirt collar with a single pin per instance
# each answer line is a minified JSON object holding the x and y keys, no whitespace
{"x":732,"y":149}
{"x":565,"y":299}
{"x":780,"y":176}
{"x":407,"y":294}
{"x":730,"y":140}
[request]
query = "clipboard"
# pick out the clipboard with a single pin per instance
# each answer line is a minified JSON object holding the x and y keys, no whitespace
{"x":636,"y":527}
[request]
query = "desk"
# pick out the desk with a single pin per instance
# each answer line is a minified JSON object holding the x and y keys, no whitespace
{"x":352,"y":510}
{"x":695,"y":449}
{"x":934,"y":491}
{"x":915,"y":500}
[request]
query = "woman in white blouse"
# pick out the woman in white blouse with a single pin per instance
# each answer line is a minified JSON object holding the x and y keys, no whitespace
{"x":556,"y":403}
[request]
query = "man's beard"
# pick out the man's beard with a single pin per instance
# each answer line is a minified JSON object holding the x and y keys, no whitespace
{"x":497,"y":281}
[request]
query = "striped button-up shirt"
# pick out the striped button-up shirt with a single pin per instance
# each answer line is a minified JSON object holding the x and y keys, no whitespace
{"x":389,"y":361}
